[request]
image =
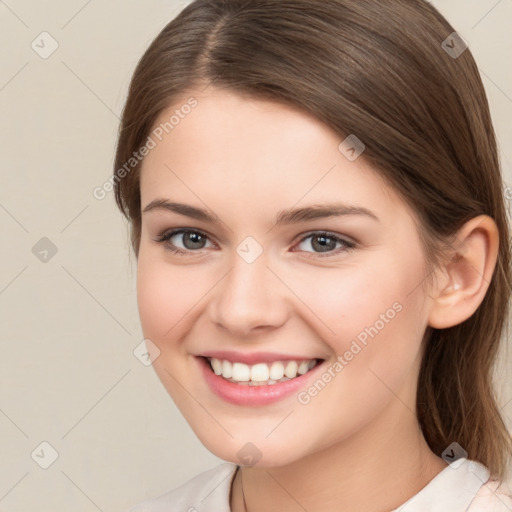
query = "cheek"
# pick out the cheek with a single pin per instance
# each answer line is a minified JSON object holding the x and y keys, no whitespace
{"x":344,"y":301}
{"x":166,"y":295}
{"x":377,"y":324}
{"x":373,"y":312}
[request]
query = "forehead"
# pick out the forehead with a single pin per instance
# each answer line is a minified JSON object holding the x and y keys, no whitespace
{"x":254,"y":154}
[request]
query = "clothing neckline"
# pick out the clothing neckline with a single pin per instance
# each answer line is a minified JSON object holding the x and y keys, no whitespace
{"x":465,"y":477}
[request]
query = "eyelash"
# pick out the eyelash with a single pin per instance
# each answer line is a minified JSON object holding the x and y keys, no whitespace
{"x":165,"y":237}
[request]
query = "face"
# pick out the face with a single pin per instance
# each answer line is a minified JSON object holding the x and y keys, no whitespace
{"x":342,"y":290}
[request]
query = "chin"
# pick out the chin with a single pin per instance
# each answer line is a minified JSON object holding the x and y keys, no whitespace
{"x":252,"y":453}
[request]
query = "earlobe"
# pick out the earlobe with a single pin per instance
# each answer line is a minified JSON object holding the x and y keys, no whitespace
{"x":469,"y":273}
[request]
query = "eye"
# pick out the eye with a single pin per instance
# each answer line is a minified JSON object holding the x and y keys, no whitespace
{"x":323,"y":242}
{"x":192,"y":240}
{"x":326,"y":242}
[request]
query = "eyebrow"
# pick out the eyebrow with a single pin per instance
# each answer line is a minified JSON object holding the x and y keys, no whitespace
{"x":289,"y":216}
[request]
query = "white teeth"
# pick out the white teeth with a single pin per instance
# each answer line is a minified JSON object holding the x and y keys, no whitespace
{"x":276,"y":370}
{"x":227,"y":369}
{"x":216,"y":366}
{"x":261,"y":373}
{"x":241,"y":372}
{"x":303,"y":367}
{"x":291,"y":369}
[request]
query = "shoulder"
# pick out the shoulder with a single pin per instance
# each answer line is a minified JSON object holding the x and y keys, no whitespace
{"x":208,"y":490}
{"x":492,"y":496}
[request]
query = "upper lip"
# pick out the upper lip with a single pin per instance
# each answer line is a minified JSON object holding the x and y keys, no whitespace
{"x":254,"y":357}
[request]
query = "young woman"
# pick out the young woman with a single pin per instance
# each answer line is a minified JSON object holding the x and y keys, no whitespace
{"x":323,"y":255}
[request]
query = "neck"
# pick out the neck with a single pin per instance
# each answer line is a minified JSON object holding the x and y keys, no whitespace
{"x":376,"y":470}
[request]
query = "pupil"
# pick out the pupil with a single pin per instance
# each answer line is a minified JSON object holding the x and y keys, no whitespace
{"x":194,"y":238}
{"x":323,"y":246}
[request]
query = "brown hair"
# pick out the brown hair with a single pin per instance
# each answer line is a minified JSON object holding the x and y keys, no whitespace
{"x":377,"y":70}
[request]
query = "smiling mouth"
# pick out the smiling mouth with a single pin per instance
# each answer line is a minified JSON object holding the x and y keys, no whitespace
{"x":261,"y":374}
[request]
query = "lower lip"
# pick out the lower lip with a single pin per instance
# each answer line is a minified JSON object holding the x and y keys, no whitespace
{"x":241,"y":394}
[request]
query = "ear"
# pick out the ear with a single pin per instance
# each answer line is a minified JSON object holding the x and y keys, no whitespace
{"x":467,"y":275}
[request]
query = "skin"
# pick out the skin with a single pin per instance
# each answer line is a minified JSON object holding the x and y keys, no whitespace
{"x":357,"y":444}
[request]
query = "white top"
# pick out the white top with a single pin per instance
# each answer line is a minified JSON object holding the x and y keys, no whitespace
{"x":464,"y":489}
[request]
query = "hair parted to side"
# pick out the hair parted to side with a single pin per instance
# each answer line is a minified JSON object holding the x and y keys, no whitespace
{"x":376,"y":70}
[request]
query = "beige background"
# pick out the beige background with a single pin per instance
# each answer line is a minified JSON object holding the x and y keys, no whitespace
{"x":69,"y":325}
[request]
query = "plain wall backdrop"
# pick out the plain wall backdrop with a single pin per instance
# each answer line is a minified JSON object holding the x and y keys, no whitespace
{"x":68,"y":313}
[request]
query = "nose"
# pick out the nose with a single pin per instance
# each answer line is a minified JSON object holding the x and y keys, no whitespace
{"x":249,"y":299}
